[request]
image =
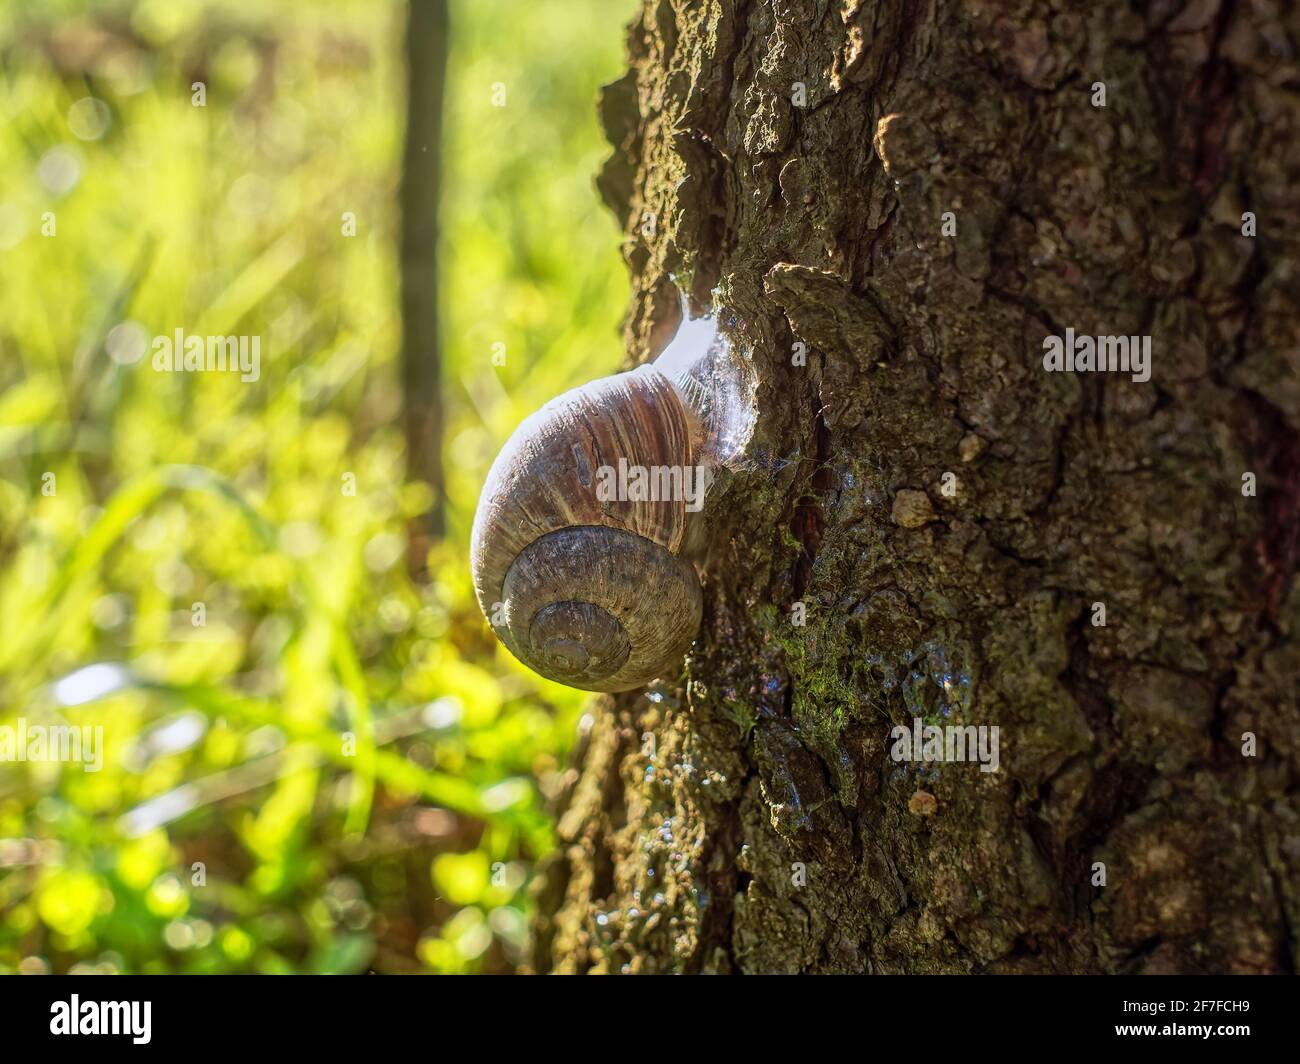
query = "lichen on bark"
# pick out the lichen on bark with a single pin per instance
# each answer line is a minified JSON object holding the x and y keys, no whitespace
{"x":801,"y":156}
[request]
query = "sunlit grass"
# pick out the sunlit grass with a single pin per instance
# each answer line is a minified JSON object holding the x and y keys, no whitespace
{"x":311,"y":762}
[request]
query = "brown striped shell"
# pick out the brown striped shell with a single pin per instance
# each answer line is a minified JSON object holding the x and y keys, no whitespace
{"x":593,"y":593}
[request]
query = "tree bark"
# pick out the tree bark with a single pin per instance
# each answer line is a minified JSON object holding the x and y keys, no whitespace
{"x":748,"y":816}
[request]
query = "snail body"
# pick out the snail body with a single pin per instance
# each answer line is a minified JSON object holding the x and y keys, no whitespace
{"x":582,"y":569}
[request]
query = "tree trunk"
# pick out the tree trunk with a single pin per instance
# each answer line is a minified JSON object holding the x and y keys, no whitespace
{"x":953,"y":515}
{"x":422,"y":413}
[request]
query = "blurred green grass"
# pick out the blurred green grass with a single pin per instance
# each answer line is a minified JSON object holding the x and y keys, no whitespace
{"x":339,"y":770}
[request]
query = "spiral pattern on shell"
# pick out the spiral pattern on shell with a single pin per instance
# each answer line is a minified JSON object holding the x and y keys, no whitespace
{"x":588,"y":591}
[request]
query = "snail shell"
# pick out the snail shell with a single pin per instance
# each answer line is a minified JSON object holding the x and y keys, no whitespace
{"x":592,"y":592}
{"x":597,"y":590}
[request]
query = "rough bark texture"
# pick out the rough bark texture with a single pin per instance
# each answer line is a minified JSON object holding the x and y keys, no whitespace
{"x":693,"y":806}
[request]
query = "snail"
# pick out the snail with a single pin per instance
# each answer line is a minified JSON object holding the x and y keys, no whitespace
{"x":588,"y":525}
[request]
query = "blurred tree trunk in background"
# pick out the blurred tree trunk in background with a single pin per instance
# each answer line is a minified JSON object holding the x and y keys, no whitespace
{"x":426,"y":61}
{"x":770,"y":830}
